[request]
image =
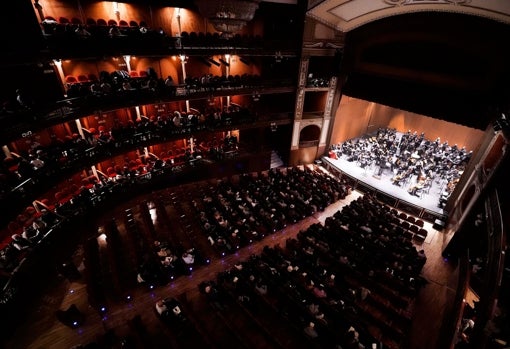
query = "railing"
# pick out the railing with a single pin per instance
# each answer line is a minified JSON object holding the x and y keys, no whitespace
{"x":20,"y":122}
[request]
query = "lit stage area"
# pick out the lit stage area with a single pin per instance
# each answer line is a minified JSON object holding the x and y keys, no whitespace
{"x":368,"y":180}
{"x":357,"y":119}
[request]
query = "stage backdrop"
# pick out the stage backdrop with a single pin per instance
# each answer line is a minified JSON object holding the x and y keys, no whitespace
{"x":355,"y":117}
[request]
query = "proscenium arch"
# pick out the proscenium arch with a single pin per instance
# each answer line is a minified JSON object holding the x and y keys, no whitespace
{"x":345,"y":15}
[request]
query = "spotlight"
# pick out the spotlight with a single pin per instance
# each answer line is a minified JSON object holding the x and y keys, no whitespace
{"x":103,"y":309}
{"x":75,"y":323}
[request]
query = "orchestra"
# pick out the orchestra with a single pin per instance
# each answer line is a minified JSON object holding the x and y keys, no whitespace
{"x":411,"y":159}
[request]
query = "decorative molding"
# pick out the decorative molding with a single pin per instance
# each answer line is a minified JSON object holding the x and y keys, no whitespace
{"x":300,"y":100}
{"x":346,"y":15}
{"x":330,"y":96}
{"x":303,"y":71}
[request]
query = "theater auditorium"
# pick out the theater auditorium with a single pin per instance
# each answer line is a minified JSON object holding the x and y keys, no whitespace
{"x":254,"y":174}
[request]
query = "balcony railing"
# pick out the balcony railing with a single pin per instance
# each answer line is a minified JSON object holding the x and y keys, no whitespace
{"x":16,"y":122}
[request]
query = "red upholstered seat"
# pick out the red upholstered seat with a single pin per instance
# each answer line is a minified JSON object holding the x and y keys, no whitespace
{"x":110,"y":171}
{"x":112,"y":22}
{"x":423,"y":232}
{"x":91,"y":22}
{"x":71,"y":79}
{"x":413,"y":228}
{"x":82,"y":78}
{"x":14,"y":227}
{"x":30,"y":212}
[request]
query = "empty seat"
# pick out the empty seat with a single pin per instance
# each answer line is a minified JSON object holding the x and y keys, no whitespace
{"x":64,"y":20}
{"x":133,"y":23}
{"x":402,"y":215}
{"x":82,"y":78}
{"x":123,"y":23}
{"x":71,"y":79}
{"x":112,"y":22}
{"x":75,"y":21}
{"x":413,"y":228}
{"x":419,"y":223}
{"x":410,"y":219}
{"x":423,"y":232}
{"x":408,"y":235}
{"x":405,"y":225}
{"x":101,"y":21}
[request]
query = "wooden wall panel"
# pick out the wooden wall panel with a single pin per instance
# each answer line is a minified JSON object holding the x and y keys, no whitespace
{"x":355,"y":117}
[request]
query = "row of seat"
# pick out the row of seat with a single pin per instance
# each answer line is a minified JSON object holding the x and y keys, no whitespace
{"x":93,"y":22}
{"x":91,"y":77}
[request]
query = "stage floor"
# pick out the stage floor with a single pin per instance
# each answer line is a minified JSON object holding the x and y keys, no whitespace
{"x":427,"y":200}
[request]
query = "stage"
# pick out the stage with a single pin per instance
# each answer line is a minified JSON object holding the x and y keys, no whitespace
{"x":425,"y":205}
